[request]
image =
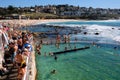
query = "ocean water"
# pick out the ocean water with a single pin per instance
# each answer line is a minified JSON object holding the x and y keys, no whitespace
{"x":101,"y":62}
{"x":92,"y":22}
{"x":109,"y":30}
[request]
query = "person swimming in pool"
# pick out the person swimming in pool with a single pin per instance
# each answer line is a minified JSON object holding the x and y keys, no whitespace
{"x":66,"y":48}
{"x":55,"y":58}
{"x":51,"y":53}
{"x":115,"y":48}
{"x":53,"y":71}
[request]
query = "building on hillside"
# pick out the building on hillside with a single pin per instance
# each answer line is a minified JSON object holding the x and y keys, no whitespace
{"x":71,"y":13}
{"x":16,"y":16}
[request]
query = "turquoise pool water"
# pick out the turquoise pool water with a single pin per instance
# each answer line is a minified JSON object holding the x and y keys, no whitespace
{"x":96,"y":63}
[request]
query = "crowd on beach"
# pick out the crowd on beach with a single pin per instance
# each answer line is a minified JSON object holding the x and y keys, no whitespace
{"x":15,"y":48}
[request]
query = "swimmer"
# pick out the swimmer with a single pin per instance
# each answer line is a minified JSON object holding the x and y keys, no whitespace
{"x":55,"y":58}
{"x":39,"y":52}
{"x":65,"y":48}
{"x":51,"y":54}
{"x":115,"y":48}
{"x":74,"y":47}
{"x":53,"y":71}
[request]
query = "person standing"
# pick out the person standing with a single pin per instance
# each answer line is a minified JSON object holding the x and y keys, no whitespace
{"x":58,"y":39}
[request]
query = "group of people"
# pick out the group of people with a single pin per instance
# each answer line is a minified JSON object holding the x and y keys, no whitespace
{"x":66,"y":39}
{"x":17,"y":50}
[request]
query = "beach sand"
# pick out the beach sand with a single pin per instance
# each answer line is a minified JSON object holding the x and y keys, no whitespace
{"x":33,"y":22}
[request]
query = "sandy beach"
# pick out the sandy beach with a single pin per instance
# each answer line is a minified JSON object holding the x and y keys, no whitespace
{"x":33,"y":22}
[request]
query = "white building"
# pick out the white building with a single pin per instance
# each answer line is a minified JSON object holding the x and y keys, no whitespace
{"x":71,"y":13}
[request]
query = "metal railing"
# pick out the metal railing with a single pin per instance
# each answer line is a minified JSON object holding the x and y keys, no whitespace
{"x":28,"y":61}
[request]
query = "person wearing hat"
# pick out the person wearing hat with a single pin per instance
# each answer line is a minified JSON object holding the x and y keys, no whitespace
{"x":27,"y":46}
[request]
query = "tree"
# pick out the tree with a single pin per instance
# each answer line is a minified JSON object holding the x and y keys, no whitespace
{"x":10,"y":9}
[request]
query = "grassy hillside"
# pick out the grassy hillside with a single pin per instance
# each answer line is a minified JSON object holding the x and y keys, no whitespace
{"x":40,"y":15}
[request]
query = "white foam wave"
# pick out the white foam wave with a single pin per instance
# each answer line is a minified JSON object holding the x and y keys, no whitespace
{"x":117,"y":38}
{"x":105,"y":32}
{"x":69,"y":25}
{"x":103,"y":21}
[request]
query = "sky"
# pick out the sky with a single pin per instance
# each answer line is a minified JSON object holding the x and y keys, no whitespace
{"x":81,"y":3}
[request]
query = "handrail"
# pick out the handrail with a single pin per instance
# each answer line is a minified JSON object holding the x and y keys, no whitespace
{"x":25,"y":75}
{"x":27,"y":61}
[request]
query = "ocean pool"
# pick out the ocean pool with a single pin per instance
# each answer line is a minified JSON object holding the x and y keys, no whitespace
{"x":100,"y":62}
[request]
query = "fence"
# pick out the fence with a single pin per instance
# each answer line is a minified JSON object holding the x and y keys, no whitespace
{"x":29,"y":62}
